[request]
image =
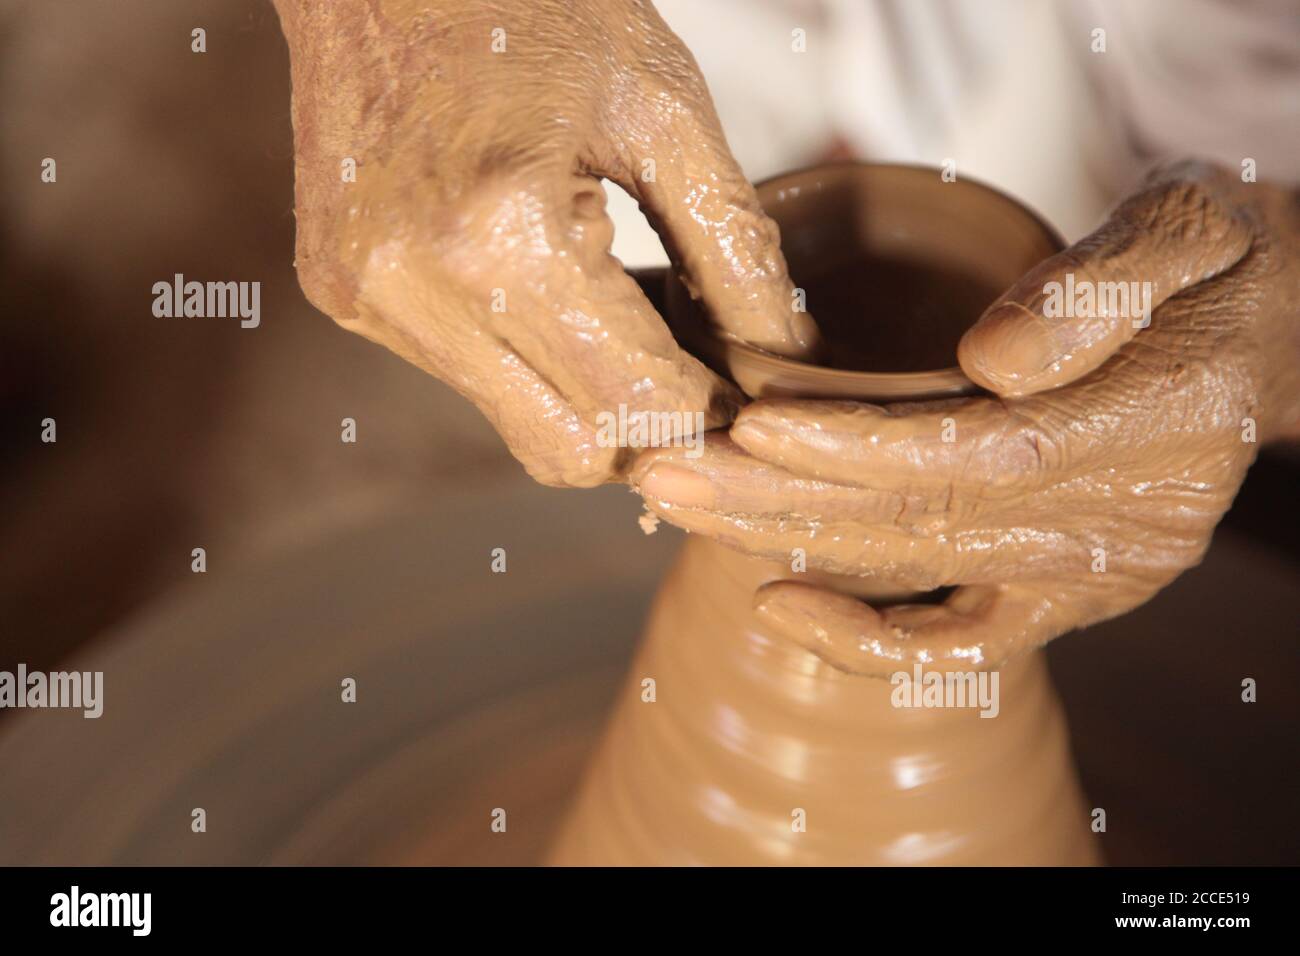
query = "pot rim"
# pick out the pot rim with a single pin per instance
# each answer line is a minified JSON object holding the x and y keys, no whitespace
{"x":824,"y":382}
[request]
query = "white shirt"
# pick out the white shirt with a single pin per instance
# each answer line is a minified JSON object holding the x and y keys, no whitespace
{"x":1023,"y":94}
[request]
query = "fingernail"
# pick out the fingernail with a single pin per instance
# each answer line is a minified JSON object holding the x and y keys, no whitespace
{"x":1010,"y":346}
{"x":677,"y":486}
{"x":807,"y":336}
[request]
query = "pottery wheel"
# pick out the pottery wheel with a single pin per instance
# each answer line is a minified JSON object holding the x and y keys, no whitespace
{"x":478,"y":690}
{"x":475,"y":691}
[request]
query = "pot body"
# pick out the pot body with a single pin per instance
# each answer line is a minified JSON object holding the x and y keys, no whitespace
{"x":729,"y":745}
{"x":753,"y":751}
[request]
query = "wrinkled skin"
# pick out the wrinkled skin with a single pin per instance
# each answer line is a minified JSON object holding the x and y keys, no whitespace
{"x":477,"y":186}
{"x":1103,"y":443}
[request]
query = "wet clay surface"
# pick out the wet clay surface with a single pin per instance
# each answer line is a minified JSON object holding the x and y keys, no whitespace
{"x":881,"y":494}
{"x":880,"y":314}
{"x":895,"y":264}
{"x":1162,"y":761}
{"x":755,"y":752}
{"x":1022,"y":571}
{"x":1187,"y":773}
{"x":750,"y":737}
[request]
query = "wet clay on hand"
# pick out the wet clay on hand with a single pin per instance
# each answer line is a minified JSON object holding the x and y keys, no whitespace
{"x":473,"y":239}
{"x":1096,"y":479}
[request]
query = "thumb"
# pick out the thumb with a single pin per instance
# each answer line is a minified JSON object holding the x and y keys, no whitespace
{"x":1073,"y":311}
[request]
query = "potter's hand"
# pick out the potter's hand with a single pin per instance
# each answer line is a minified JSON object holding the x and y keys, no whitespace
{"x":474,"y":240}
{"x":1052,"y":510}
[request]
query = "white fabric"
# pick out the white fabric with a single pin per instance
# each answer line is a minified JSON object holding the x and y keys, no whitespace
{"x":1009,"y":89}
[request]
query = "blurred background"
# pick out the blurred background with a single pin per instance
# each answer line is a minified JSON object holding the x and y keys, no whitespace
{"x":328,"y":559}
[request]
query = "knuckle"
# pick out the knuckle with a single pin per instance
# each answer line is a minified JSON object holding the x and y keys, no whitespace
{"x":493,"y":228}
{"x":1031,"y":449}
{"x":1190,"y":209}
{"x":324,"y":286}
{"x":579,"y":472}
{"x":554,"y":455}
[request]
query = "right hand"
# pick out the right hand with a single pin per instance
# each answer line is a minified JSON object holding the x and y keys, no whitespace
{"x":475,"y":243}
{"x":1090,"y":480}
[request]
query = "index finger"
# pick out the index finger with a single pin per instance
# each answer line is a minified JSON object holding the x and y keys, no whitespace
{"x":979,"y":443}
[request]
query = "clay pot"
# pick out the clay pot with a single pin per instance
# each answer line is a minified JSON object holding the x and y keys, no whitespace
{"x":754,"y":751}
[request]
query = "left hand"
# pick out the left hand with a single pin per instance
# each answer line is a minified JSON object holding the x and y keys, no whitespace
{"x":1074,"y":501}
